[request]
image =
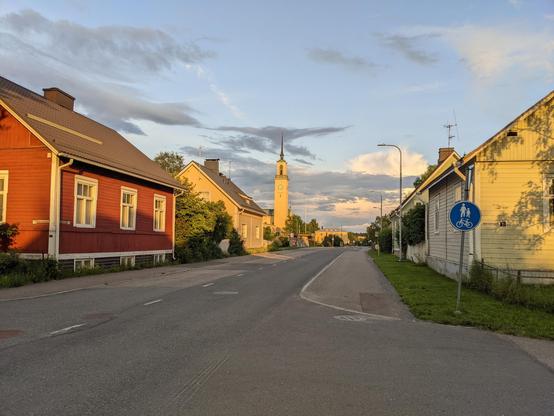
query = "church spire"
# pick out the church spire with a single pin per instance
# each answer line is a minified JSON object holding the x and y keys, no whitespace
{"x":282,"y":152}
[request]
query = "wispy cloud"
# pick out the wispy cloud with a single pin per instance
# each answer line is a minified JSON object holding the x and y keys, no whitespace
{"x":95,"y":64}
{"x":267,"y":139}
{"x":387,"y":163}
{"x":336,"y":57}
{"x":490,"y":52}
{"x":408,"y":47}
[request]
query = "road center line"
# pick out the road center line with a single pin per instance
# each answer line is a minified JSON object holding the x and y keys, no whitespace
{"x":208,"y":284}
{"x":67,"y":329}
{"x":240,"y":274}
{"x":152,"y":302}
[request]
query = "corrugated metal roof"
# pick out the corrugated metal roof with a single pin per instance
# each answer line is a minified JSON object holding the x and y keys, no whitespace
{"x":231,"y":189}
{"x":75,"y":135}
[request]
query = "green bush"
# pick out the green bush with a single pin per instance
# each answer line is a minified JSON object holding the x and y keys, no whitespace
{"x":413,"y":226}
{"x":480,"y":279}
{"x":8,"y":232}
{"x":385,"y":240}
{"x":15,"y":271}
{"x":236,"y":245}
{"x":198,"y":249}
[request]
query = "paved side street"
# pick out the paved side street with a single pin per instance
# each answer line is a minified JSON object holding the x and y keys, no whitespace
{"x":236,"y":337}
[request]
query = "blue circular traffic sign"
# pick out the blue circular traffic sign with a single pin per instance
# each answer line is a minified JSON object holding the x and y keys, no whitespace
{"x":465,"y":216}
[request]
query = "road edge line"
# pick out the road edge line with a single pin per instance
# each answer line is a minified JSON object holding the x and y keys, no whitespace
{"x":306,"y":298}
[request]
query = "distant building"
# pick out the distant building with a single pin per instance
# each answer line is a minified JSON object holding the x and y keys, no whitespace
{"x":512,"y":182}
{"x":320,"y":235}
{"x":79,"y":192}
{"x":281,"y":193}
{"x":212,"y":185}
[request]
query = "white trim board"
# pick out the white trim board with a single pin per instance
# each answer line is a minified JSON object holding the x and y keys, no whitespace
{"x":72,"y":256}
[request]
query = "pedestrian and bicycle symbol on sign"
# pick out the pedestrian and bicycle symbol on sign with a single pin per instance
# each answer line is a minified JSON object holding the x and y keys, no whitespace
{"x":465,"y":216}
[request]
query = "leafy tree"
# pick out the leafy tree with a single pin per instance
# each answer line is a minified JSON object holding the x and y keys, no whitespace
{"x":420,"y":179}
{"x":199,"y":226}
{"x":8,"y":232}
{"x":312,"y":226}
{"x":332,"y":241}
{"x":294,"y":224}
{"x":268,"y":234}
{"x":236,"y":245}
{"x":413,"y":225}
{"x":172,"y":162}
{"x":385,"y":240}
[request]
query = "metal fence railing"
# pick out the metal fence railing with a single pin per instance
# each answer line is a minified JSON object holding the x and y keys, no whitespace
{"x":528,"y":276}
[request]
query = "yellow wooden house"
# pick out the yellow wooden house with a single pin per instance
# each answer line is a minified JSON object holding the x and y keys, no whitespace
{"x":513,"y":184}
{"x":212,"y":185}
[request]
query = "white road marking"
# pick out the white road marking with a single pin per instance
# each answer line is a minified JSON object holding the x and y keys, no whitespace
{"x":226,"y":292}
{"x":240,"y":275}
{"x":305,"y":297}
{"x":63,"y":330}
{"x":208,"y":284}
{"x":152,"y":302}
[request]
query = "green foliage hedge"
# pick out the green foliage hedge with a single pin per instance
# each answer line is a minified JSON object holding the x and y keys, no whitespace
{"x":15,"y":271}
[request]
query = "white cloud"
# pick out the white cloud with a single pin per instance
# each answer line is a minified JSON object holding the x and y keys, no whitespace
{"x":549,"y":17}
{"x":491,"y":51}
{"x":387,"y":163}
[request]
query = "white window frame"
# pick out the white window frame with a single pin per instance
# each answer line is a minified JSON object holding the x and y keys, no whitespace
{"x":548,"y":197}
{"x":127,"y":261}
{"x":134,"y":206}
{"x":244,"y":231}
{"x":436,"y":216}
{"x":85,"y":180}
{"x":4,"y":174}
{"x":162,"y":218}
{"x":81,"y":261}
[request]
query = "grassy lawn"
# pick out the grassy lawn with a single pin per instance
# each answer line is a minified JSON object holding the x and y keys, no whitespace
{"x":432,"y":297}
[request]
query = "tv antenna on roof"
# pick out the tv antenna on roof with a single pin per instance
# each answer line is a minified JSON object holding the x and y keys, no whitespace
{"x":450,"y":135}
{"x":200,"y":151}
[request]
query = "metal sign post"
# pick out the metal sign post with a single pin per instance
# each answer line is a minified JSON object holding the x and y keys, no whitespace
{"x":464,"y":216}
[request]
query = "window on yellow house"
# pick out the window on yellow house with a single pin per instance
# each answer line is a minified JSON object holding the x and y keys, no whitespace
{"x":244,"y":231}
{"x":257,"y":232}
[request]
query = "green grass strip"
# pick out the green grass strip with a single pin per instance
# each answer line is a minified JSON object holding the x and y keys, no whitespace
{"x":432,"y":297}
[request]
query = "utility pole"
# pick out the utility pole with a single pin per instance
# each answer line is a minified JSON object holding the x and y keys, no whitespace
{"x":400,"y":198}
{"x":450,"y":135}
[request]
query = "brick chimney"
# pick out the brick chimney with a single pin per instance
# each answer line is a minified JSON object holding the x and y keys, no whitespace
{"x":59,"y":97}
{"x":444,"y":152}
{"x":212,"y":164}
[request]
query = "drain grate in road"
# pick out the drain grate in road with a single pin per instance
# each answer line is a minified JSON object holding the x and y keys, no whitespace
{"x":353,"y":318}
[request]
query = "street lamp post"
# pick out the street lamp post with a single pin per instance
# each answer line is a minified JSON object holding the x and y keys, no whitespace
{"x":380,"y":221}
{"x":400,"y":207}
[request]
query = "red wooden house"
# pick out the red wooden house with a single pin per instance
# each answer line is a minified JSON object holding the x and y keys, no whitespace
{"x":79,"y":191}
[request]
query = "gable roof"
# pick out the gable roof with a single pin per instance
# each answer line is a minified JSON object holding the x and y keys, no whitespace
{"x":500,"y":133}
{"x":70,"y":134}
{"x":228,"y":187}
{"x":443,"y":167}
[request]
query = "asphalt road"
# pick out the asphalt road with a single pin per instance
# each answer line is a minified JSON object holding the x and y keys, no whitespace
{"x":248,"y":344}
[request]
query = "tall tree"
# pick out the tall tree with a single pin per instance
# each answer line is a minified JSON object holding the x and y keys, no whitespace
{"x":421,"y":178}
{"x":172,"y":162}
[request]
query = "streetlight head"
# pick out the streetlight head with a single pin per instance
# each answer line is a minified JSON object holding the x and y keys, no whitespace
{"x":382,"y":144}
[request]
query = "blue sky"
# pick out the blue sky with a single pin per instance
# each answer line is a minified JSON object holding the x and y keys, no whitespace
{"x":222,"y":79}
